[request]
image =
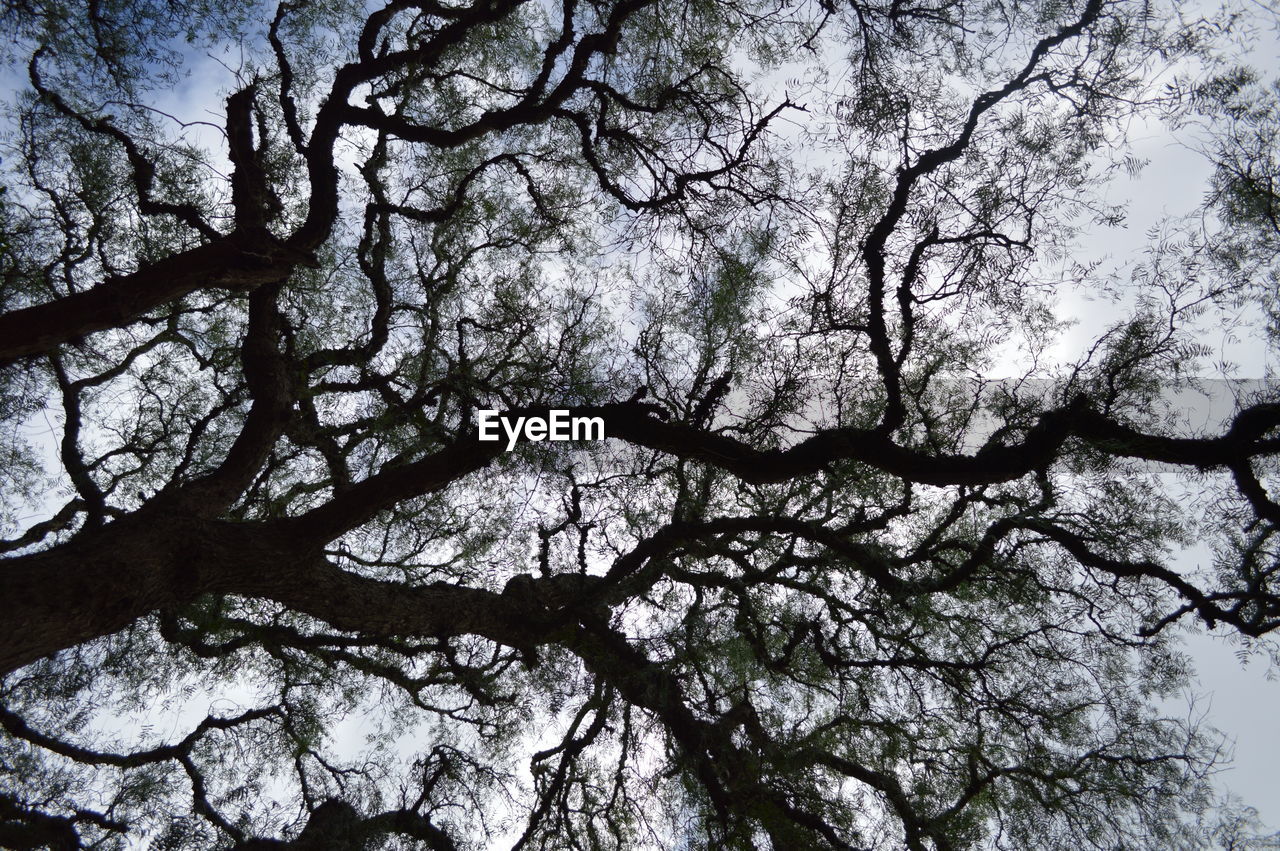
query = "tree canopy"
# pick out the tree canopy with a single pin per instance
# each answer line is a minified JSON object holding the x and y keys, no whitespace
{"x":864,"y":560}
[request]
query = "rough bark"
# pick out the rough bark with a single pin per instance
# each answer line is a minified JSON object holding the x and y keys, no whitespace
{"x":241,"y":262}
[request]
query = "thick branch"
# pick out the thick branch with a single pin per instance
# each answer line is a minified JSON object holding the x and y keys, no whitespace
{"x":241,"y":262}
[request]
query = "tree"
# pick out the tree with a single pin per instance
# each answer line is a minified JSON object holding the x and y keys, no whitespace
{"x":824,"y":584}
{"x":1238,"y":827}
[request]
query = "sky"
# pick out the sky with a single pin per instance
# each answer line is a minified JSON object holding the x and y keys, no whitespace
{"x":1238,"y":694}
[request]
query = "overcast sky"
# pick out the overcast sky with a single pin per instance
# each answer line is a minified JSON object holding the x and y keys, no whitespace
{"x":1237,"y":697}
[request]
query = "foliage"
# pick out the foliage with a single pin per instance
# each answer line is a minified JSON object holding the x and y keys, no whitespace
{"x":826,"y":585}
